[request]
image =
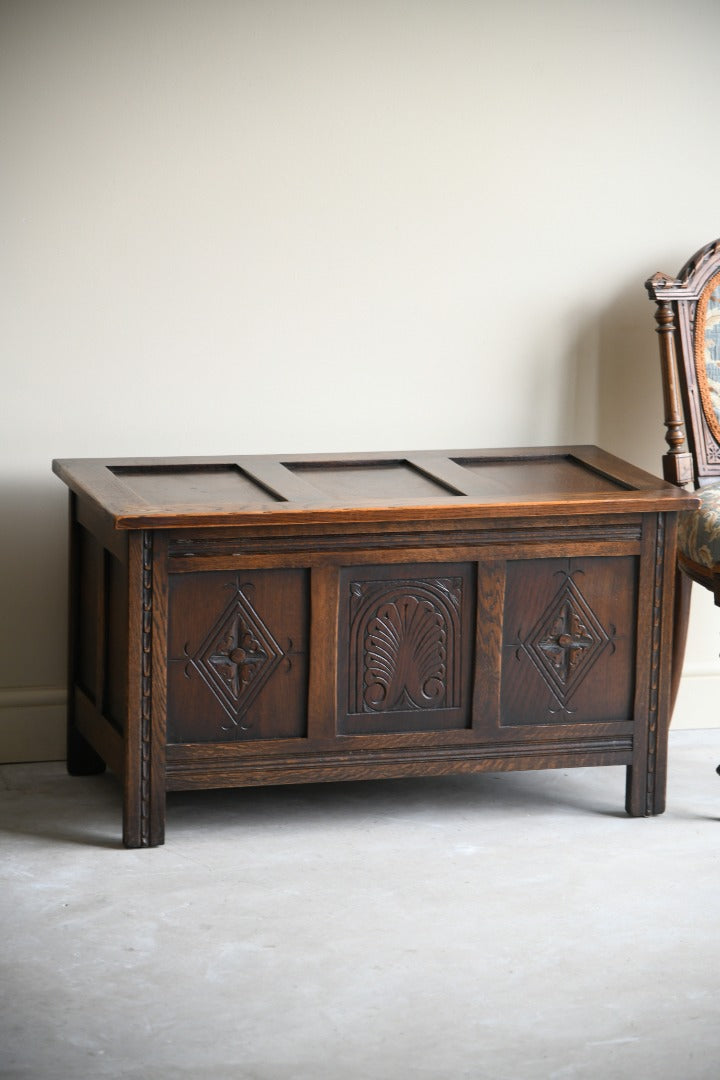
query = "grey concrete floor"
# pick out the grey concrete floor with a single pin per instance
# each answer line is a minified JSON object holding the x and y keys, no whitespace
{"x":506,"y":926}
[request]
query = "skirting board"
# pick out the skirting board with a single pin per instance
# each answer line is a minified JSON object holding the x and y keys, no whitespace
{"x":32,"y":719}
{"x":32,"y":724}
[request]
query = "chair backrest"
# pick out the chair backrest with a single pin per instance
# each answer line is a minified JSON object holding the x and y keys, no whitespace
{"x":688,"y":318}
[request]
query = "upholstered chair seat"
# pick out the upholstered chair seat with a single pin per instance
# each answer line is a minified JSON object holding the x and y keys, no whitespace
{"x":699,"y":530}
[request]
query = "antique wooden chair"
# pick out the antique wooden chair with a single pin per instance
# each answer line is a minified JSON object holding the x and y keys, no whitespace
{"x":688,"y":318}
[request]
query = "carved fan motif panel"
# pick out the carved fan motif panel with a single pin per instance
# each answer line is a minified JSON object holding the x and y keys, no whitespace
{"x":568,"y":640}
{"x":407,"y":641}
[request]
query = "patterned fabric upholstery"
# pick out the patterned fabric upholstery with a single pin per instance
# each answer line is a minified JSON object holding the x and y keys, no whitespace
{"x":699,"y":530}
{"x":711,"y":349}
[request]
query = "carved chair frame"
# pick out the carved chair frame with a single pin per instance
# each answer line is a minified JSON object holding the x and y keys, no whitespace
{"x":693,"y":430}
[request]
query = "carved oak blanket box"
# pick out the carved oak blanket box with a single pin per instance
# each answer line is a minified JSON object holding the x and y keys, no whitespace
{"x":266,"y":620}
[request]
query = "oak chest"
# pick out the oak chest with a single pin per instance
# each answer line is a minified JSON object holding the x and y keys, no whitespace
{"x":264,"y":620}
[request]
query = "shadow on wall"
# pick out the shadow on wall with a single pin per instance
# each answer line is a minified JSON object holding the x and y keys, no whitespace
{"x":604,"y":386}
{"x":577,"y":407}
{"x":33,"y":557}
{"x":629,"y":389}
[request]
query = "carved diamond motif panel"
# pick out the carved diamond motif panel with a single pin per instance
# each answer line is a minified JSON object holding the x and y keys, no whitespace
{"x":237,"y":657}
{"x":566,"y":641}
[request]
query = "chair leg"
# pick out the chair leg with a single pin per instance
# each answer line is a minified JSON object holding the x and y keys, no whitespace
{"x":683,"y":587}
{"x":716,"y":594}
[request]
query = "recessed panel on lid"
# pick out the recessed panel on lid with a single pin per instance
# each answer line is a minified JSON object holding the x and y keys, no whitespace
{"x":188,"y":485}
{"x":559,"y":476}
{"x":366,"y":480}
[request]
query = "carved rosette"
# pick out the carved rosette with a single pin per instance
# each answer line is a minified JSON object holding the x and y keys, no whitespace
{"x":404,"y":645}
{"x":237,"y":658}
{"x":712,"y":451}
{"x":566,"y":642}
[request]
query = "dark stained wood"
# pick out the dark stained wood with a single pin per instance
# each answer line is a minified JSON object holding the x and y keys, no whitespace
{"x":645,"y":790}
{"x":291,"y":619}
{"x":213,"y":772}
{"x":557,"y":475}
{"x":169,"y":485}
{"x":238,"y":636}
{"x":405,"y":648}
{"x":326,"y":663}
{"x":663,"y":655}
{"x":89,"y":561}
{"x":681,"y":619}
{"x":363,"y":480}
{"x":569,"y":640}
{"x":155,"y":594}
{"x":94,"y":728}
{"x":82,"y":759}
{"x":600,"y":483}
{"x":135,"y":771}
{"x":144,"y":742}
{"x":489,"y":617}
{"x":677,"y":462}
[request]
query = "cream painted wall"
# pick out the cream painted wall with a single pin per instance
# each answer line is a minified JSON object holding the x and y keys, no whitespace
{"x":307,"y":225}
